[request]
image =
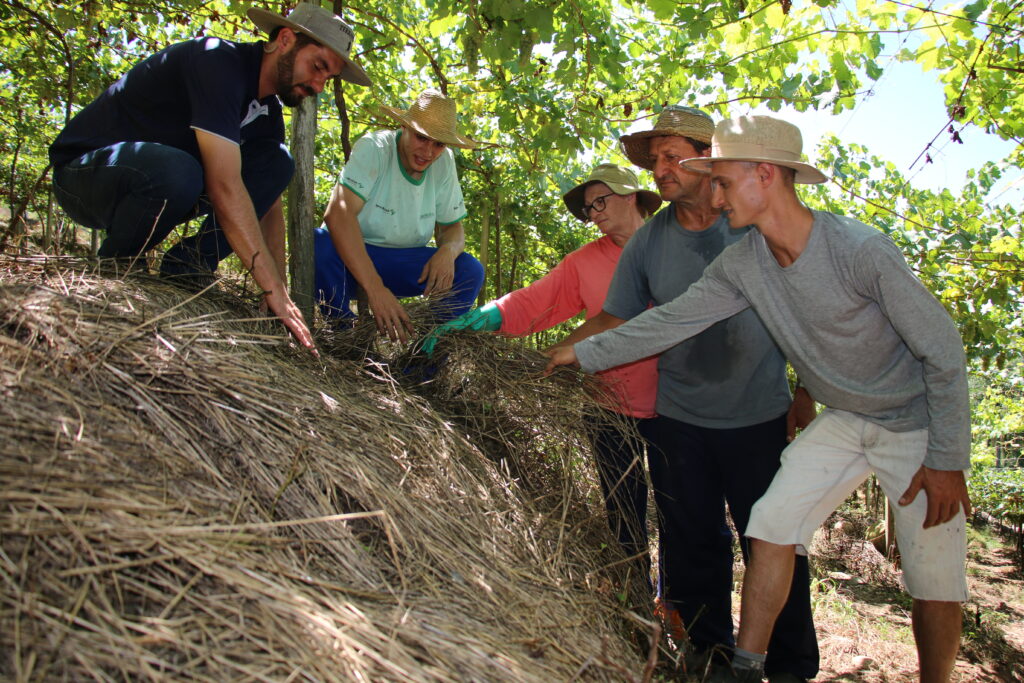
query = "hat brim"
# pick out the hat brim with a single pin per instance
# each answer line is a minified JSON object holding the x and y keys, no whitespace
{"x":805,"y":173}
{"x":267,"y":21}
{"x":637,"y":146}
{"x":651,"y":201}
{"x":451,"y":139}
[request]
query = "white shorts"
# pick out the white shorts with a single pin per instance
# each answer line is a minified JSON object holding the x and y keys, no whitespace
{"x":827,"y":462}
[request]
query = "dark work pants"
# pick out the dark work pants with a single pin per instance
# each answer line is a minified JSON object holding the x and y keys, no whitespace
{"x":695,"y":472}
{"x":139,"y":191}
{"x":619,"y":458}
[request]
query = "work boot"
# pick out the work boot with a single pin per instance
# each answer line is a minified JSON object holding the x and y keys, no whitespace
{"x":729,"y":674}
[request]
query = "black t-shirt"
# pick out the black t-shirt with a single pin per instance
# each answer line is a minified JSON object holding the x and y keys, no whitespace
{"x":206,"y":83}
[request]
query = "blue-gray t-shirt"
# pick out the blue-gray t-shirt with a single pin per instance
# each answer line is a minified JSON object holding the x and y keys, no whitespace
{"x":730,"y":375}
{"x":208,"y":84}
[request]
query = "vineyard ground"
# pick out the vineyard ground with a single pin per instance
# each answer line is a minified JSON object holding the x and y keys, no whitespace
{"x":863,"y":616}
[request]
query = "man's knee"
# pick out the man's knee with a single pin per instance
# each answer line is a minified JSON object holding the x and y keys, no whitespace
{"x":470,"y":271}
{"x":267,"y":168}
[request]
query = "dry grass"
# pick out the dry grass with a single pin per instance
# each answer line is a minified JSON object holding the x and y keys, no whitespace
{"x":187,"y":495}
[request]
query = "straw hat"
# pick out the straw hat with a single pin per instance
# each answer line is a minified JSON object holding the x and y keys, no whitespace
{"x":321,"y":25}
{"x":758,"y":138}
{"x":619,"y":180}
{"x":685,"y":122}
{"x":432,"y":115}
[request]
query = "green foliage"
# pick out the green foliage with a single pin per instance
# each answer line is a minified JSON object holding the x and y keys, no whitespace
{"x":966,"y":250}
{"x":550,"y":85}
{"x":1000,"y":492}
{"x":998,"y":414}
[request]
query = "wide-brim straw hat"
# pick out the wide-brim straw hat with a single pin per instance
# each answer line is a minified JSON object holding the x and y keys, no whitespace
{"x":433,"y":115}
{"x":321,"y":25}
{"x":619,"y":180}
{"x":760,"y":139}
{"x":684,"y":122}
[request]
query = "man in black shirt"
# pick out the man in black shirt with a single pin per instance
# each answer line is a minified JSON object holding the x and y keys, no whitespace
{"x":197,"y":128}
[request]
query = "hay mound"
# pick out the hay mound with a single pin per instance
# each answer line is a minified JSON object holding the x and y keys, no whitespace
{"x":185,"y":495}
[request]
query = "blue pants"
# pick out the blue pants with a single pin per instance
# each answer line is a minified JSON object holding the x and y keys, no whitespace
{"x":695,"y":471}
{"x":620,"y":466}
{"x":138,"y":191}
{"x":399,"y":269}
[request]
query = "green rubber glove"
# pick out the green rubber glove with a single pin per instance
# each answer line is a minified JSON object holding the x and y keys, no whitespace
{"x":487,"y":318}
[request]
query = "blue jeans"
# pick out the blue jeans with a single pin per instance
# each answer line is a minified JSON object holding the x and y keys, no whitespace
{"x":695,"y":471}
{"x":138,"y":191}
{"x":399,"y":268}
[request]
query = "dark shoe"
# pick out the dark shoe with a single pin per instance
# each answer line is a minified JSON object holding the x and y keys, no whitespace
{"x":120,"y":266}
{"x":785,"y":677}
{"x":697,"y":663}
{"x":728,"y":674}
{"x":186,"y":274}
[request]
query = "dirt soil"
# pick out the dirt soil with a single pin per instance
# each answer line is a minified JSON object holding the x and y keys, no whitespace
{"x":863,"y":616}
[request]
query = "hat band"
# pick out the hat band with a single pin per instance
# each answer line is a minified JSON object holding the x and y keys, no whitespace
{"x":752,"y":150}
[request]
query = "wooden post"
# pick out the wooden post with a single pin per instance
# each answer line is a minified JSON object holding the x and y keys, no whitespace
{"x":891,"y":551}
{"x":497,"y":243}
{"x":485,"y":237}
{"x":302,"y":219}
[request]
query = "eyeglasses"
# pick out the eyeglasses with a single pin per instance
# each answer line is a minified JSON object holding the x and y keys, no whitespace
{"x":596,"y":205}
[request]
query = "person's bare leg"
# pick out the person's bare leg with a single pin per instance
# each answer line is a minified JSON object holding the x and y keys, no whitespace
{"x":937,"y":628}
{"x":765,"y":589}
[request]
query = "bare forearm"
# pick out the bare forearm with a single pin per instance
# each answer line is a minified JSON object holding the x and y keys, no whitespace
{"x":243,"y":231}
{"x":348,"y":241}
{"x":273,"y":233}
{"x":599,"y":323}
{"x":452,"y":237}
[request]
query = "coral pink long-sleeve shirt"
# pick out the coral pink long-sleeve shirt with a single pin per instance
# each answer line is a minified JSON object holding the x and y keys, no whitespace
{"x":580,"y":282}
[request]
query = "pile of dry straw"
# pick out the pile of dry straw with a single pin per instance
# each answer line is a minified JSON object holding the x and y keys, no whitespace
{"x":186,"y":495}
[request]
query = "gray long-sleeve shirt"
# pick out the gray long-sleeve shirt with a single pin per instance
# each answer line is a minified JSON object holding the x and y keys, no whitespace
{"x":732,"y":374}
{"x":860,"y":329}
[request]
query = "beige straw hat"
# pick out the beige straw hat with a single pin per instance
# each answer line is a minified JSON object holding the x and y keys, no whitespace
{"x":758,"y":138}
{"x":321,"y":25}
{"x":432,"y":115}
{"x":619,"y":180}
{"x":685,"y":122}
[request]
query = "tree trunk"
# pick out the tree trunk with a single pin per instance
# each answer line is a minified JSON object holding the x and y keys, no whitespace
{"x":301,"y":207}
{"x":485,"y":236}
{"x":497,"y":243}
{"x":891,"y":549}
{"x":339,"y":100}
{"x":50,"y":237}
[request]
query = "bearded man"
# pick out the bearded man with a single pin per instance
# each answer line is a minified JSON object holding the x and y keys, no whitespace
{"x":197,"y":129}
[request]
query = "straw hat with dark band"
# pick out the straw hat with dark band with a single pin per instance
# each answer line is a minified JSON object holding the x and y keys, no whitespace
{"x":760,"y":139}
{"x":321,"y":25}
{"x":619,"y":180}
{"x":684,"y":122}
{"x":432,"y":115}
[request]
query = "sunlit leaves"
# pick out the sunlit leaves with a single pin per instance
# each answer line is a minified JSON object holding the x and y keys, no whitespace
{"x":551,"y":84}
{"x":966,"y":251}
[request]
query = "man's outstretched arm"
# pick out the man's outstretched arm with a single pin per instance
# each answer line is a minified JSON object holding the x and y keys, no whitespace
{"x":222,"y":166}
